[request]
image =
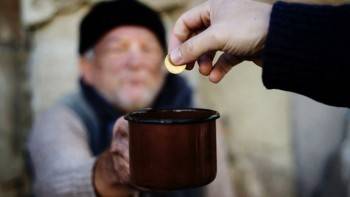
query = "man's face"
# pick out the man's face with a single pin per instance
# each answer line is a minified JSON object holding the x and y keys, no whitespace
{"x":126,"y":67}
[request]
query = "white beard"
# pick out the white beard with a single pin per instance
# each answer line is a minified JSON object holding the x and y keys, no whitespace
{"x":145,"y":96}
{"x":128,"y":98}
{"x":144,"y":100}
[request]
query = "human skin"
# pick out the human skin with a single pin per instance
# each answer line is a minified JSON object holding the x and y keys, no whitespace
{"x":238,"y":28}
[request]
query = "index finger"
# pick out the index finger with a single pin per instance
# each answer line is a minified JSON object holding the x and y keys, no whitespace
{"x":197,"y":18}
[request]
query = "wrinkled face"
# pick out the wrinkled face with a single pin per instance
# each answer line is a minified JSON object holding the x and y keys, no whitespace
{"x":126,"y":67}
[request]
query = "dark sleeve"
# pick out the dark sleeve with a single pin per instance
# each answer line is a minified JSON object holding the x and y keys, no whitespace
{"x":307,"y":51}
{"x":176,"y":93}
{"x":184,"y":93}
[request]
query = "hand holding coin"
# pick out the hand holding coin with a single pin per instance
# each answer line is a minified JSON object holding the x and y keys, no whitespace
{"x":172,"y":68}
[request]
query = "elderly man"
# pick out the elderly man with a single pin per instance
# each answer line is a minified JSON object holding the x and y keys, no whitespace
{"x":73,"y":147}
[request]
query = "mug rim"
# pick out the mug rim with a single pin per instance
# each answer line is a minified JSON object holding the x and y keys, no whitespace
{"x":212,"y":115}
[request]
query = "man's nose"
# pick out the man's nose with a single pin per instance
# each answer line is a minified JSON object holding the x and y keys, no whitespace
{"x":135,"y":57}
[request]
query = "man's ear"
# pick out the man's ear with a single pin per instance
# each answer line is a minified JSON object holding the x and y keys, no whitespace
{"x":86,"y":69}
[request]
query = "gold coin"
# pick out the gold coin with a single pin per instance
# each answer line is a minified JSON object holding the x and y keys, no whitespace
{"x":172,"y":68}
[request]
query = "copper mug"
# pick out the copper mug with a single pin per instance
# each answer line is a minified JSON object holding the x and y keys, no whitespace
{"x":172,"y":149}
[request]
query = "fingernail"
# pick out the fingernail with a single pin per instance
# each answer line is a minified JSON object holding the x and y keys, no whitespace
{"x":213,"y":78}
{"x":175,"y":56}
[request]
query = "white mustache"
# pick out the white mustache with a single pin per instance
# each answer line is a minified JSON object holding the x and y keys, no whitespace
{"x":150,"y":88}
{"x":143,"y":76}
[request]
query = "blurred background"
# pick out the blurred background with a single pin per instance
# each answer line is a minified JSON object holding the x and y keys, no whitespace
{"x":277,"y":142}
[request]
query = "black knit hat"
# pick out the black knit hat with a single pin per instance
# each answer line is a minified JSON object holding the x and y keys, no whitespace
{"x":107,"y":15}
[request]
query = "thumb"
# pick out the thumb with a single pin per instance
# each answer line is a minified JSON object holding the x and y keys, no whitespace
{"x":196,"y":46}
{"x":121,"y":128}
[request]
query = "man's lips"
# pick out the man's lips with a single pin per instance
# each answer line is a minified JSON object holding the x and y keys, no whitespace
{"x":135,"y":81}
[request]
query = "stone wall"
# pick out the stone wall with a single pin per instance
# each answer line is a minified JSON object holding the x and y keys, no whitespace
{"x":14,"y":97}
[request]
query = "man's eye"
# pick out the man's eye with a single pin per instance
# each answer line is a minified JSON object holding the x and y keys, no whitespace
{"x":116,"y":49}
{"x":120,"y":49}
{"x":148,"y":49}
